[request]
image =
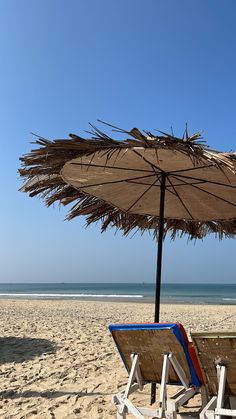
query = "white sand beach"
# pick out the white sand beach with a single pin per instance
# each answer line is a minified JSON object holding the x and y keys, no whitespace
{"x":59,"y":361}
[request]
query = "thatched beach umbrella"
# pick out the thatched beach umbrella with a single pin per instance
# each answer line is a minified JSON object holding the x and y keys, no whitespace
{"x":146,"y":182}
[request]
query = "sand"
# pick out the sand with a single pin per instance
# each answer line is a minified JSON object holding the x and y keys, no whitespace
{"x":59,"y":361}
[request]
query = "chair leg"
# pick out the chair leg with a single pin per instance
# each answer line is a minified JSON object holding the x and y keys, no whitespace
{"x":121,"y":400}
{"x":121,"y":408}
{"x":209,"y":410}
{"x":164,"y":379}
{"x":221,"y":389}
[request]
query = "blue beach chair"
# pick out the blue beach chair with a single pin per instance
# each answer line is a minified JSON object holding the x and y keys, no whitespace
{"x":156,"y":353}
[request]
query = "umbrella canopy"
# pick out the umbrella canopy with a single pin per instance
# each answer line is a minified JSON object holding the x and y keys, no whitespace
{"x":131,"y":181}
{"x":119,"y":182}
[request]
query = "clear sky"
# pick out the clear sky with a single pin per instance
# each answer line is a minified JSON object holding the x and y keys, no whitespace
{"x":145,"y":63}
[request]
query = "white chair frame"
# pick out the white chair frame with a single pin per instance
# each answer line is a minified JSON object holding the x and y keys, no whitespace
{"x":214,"y":408}
{"x":167,"y":407}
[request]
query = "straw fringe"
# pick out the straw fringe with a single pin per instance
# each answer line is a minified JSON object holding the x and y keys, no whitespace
{"x":42,"y":166}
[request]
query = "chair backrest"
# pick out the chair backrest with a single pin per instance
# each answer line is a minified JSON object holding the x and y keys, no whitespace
{"x":151,"y":341}
{"x":216,"y":348}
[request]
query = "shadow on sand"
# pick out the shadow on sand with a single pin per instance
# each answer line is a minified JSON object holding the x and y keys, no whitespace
{"x":13,"y":394}
{"x":16,"y":349}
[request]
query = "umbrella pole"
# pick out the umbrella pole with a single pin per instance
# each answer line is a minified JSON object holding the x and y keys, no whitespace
{"x":159,"y":263}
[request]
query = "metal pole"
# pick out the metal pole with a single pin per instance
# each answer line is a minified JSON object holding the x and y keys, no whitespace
{"x":159,"y":248}
{"x":159,"y":263}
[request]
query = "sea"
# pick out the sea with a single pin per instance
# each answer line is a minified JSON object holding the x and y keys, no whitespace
{"x":131,"y":292}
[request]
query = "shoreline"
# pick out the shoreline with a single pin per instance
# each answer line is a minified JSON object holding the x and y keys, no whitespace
{"x":137,"y":293}
{"x":128,"y":300}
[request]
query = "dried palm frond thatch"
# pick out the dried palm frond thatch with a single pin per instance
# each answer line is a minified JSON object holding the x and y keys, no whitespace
{"x":41,"y":171}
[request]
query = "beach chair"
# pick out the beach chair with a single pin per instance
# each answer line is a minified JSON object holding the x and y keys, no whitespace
{"x":155,"y":353}
{"x":217,"y":357}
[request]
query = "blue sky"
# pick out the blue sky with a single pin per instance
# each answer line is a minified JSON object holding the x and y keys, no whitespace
{"x":150,"y":64}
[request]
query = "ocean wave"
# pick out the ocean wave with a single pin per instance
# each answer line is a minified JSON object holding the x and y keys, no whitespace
{"x":229,"y":299}
{"x":69,"y":295}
